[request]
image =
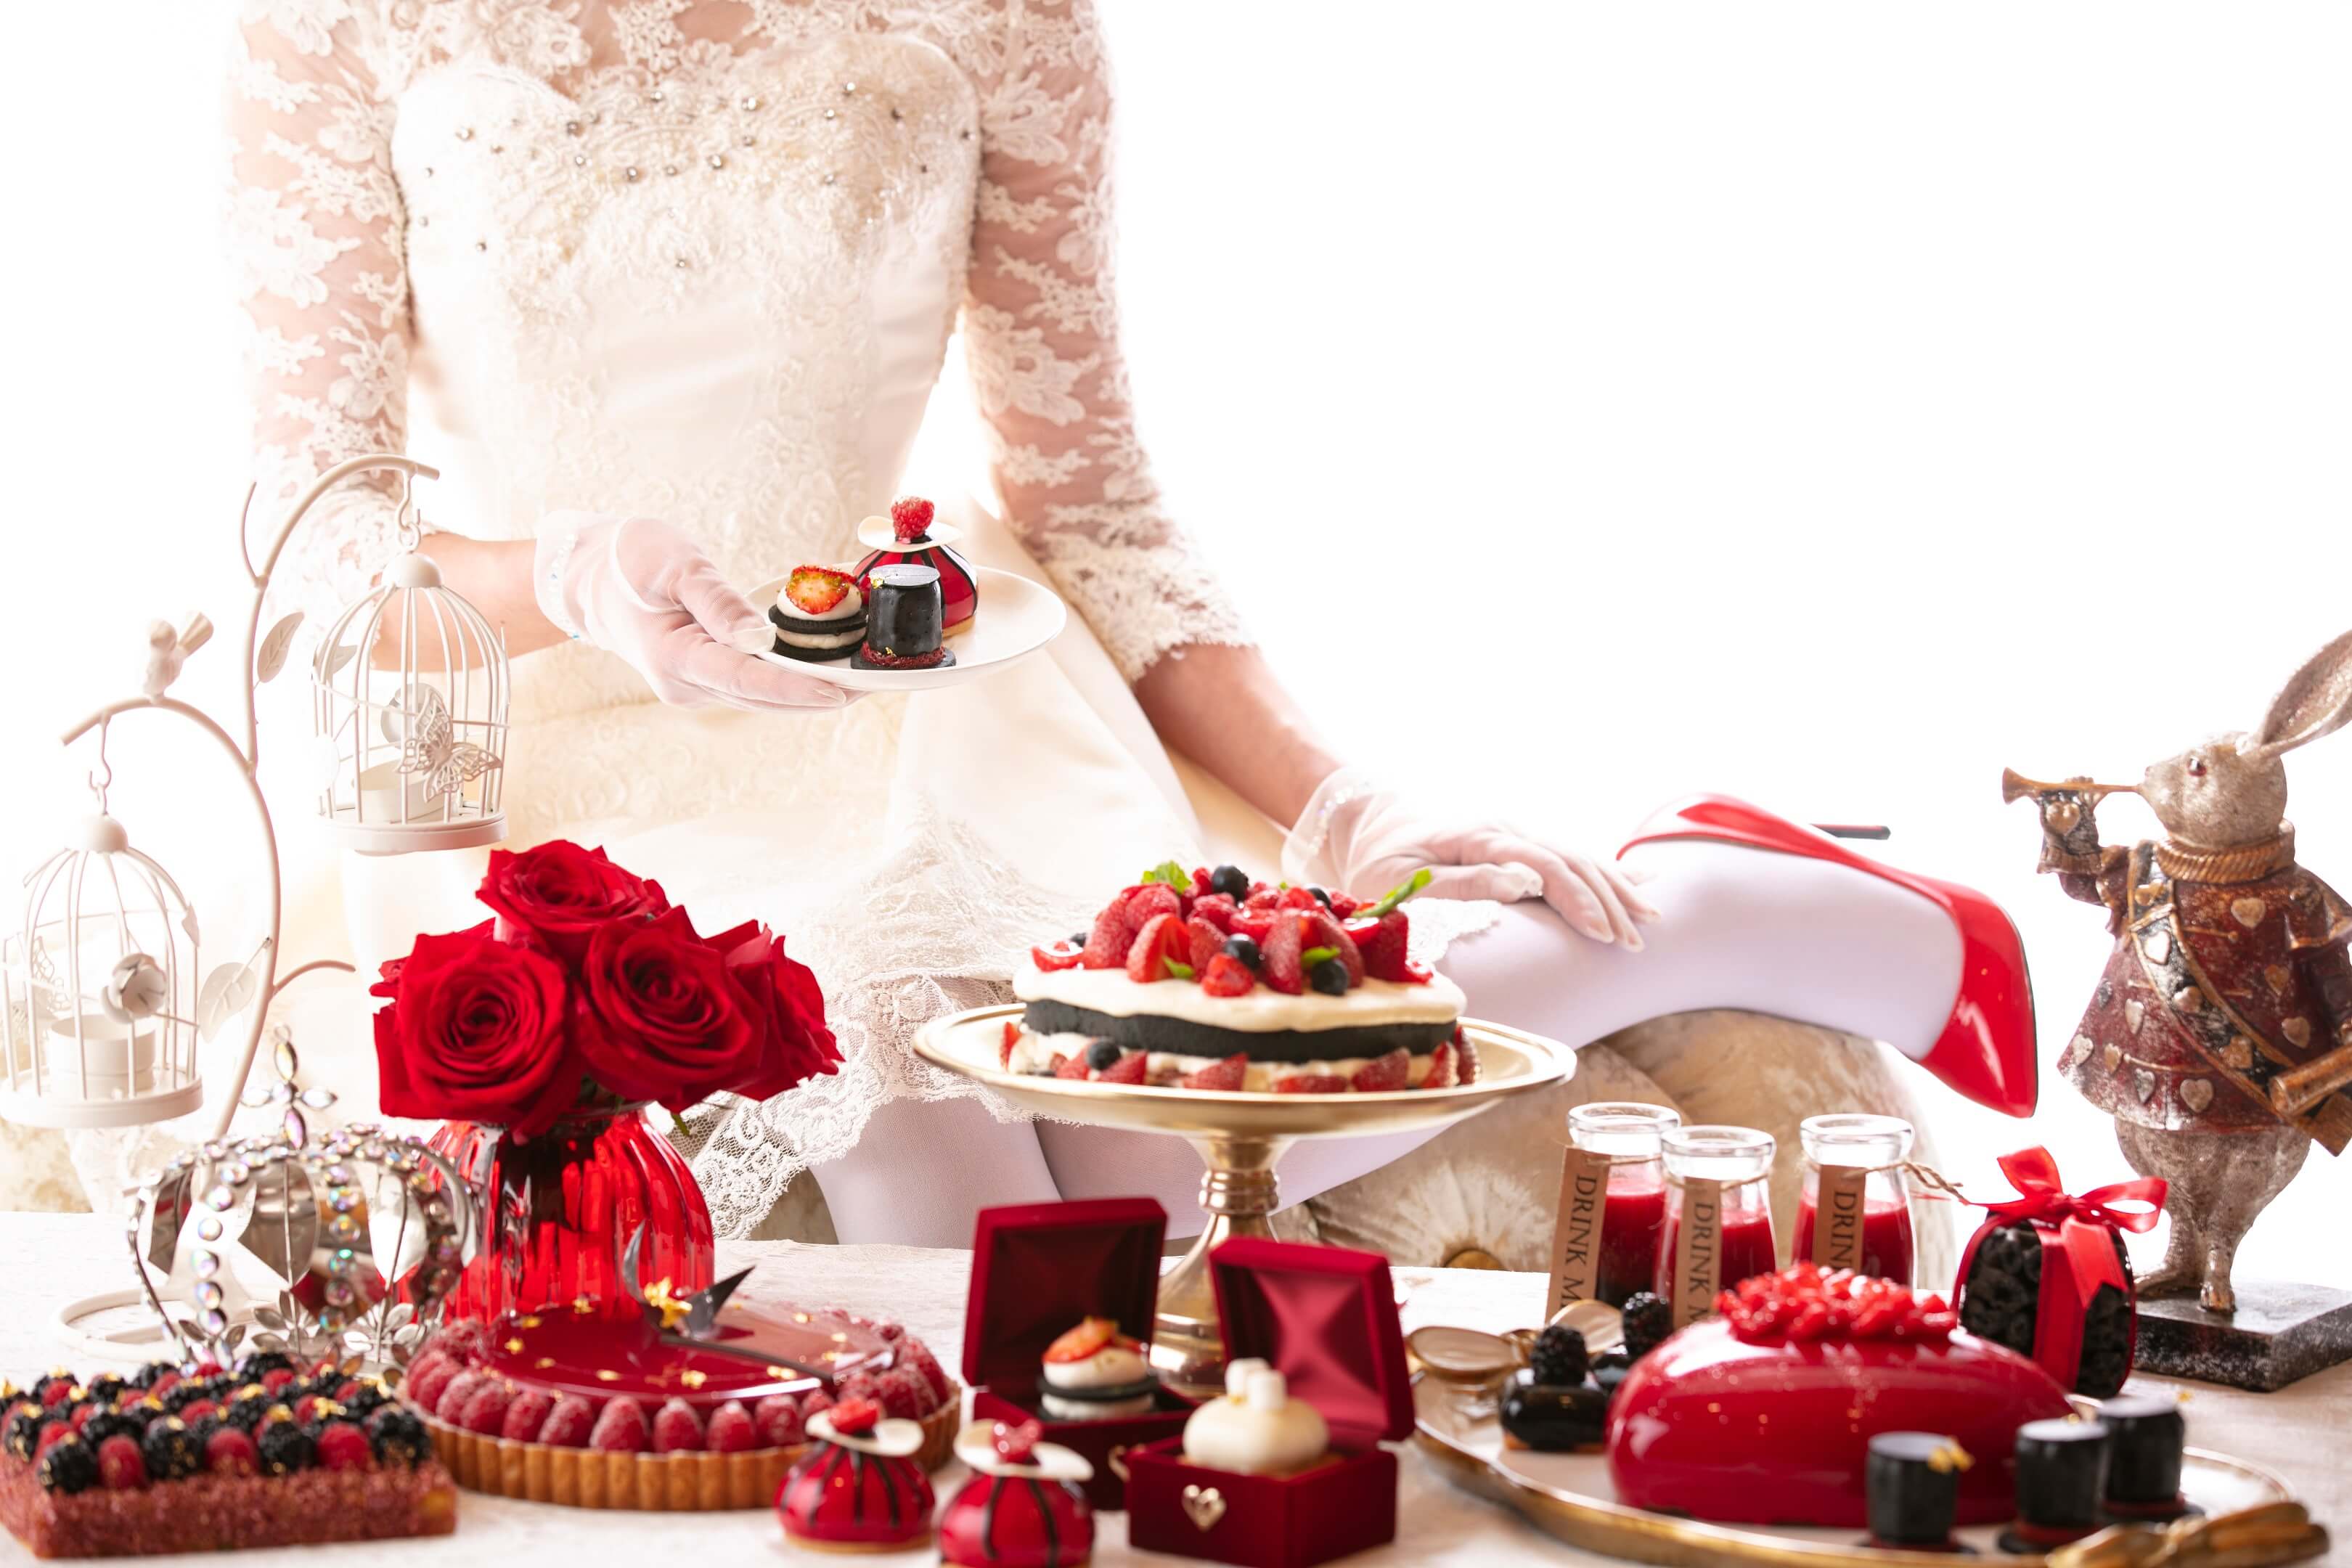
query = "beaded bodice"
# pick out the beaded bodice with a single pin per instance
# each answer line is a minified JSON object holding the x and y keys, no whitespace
{"x":699,"y":259}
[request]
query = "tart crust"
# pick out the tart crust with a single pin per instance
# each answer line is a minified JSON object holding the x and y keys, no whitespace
{"x":229,"y":1513}
{"x":659,"y":1483}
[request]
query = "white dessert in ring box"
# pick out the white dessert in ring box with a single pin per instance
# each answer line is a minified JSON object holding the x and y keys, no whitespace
{"x":1326,"y":1319}
{"x":1037,"y":1271}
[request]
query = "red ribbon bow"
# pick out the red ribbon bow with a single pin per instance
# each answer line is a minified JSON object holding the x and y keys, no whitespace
{"x":2043,"y":1198}
{"x":2079,"y":1229}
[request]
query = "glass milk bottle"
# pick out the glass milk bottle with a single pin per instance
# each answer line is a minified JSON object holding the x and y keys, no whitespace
{"x":1871,"y":1228}
{"x":1734,"y":1165}
{"x":1633,"y":1213}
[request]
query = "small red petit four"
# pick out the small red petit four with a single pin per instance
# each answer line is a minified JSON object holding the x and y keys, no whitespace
{"x":1023,"y":1508}
{"x":1765,"y":1415}
{"x":912,"y":536}
{"x":860,"y":1487}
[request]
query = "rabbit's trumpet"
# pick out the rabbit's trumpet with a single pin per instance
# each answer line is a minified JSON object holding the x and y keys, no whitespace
{"x":2015,"y":784}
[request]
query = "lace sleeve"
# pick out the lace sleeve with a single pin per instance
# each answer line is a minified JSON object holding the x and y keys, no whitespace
{"x":315,"y":234}
{"x":1042,"y":334}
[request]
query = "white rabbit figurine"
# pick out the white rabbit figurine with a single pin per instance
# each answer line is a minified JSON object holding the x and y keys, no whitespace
{"x":2221,"y":1034}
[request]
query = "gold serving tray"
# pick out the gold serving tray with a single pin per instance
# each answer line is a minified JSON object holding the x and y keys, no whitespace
{"x":658,"y":1483}
{"x":1569,"y":1496}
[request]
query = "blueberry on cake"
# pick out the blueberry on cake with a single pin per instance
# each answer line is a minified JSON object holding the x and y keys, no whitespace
{"x":1210,"y":980}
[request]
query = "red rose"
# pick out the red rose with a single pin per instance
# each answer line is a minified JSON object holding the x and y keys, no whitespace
{"x":475,"y":1032}
{"x":559,"y":894}
{"x":660,"y":1018}
{"x":794,"y":1042}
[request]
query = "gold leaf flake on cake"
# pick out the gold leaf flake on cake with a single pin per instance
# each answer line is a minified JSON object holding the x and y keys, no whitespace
{"x":606,"y":1375}
{"x":514,"y":1347}
{"x":692,"y":1378}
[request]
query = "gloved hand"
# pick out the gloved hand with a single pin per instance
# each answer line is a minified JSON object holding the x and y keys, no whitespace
{"x":1364,"y":840}
{"x":642,"y":589}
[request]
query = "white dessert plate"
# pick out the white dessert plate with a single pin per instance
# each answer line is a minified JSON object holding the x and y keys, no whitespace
{"x":1016,"y":617}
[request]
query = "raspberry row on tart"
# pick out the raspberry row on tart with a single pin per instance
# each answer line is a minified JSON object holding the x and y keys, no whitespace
{"x":1210,"y":980}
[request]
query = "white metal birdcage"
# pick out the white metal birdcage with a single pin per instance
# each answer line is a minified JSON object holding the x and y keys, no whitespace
{"x":409,"y":692}
{"x":101,"y":990}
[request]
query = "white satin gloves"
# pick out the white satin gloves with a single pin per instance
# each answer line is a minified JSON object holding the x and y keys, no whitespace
{"x":640,"y":588}
{"x":1364,"y":840}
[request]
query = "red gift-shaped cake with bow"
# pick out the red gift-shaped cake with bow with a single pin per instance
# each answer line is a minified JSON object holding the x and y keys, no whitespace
{"x":2046,"y":1274}
{"x":1039,"y":1270}
{"x":1324,"y":1320}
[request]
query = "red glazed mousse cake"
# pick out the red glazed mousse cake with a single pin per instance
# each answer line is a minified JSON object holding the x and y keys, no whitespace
{"x":1764,"y":1415}
{"x":207,"y":1459}
{"x":1209,"y":980}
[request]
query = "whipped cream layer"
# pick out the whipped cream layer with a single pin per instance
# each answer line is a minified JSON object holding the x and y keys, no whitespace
{"x":1034,"y":1054}
{"x":853,"y":602}
{"x":1113,"y":1366}
{"x":1262,"y":1010}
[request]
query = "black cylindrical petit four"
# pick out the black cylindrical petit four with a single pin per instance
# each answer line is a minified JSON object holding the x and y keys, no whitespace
{"x":903,"y":620}
{"x":1552,"y":1418}
{"x":2145,"y":1438}
{"x":2062,"y":1474}
{"x":1912,"y":1480}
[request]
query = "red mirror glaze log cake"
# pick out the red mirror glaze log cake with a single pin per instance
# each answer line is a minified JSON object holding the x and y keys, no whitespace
{"x":1764,"y":1415}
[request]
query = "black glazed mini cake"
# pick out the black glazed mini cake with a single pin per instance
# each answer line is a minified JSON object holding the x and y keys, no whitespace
{"x":1547,"y":1404}
{"x":1912,"y":1480}
{"x":2061,"y":1476}
{"x":904,"y":615}
{"x":2146,"y":1438}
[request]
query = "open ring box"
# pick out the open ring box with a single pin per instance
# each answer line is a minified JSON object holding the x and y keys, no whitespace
{"x":1036,"y":1271}
{"x":1326,"y":1318}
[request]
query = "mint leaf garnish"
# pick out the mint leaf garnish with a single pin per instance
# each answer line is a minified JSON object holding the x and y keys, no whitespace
{"x":1173,"y":874}
{"x":1178,"y":968}
{"x":1314,"y":955}
{"x":1395,"y":896}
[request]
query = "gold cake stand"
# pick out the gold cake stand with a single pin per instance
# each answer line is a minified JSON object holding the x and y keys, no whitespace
{"x":1241,"y":1137}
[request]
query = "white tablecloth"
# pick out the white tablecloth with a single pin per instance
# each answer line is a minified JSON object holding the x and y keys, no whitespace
{"x":2305,"y":1433}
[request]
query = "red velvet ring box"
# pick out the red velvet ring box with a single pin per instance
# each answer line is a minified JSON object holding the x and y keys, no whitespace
{"x":1036,"y":1271}
{"x":1326,"y":1318}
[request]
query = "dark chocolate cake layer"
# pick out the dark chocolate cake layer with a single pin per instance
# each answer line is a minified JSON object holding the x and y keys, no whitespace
{"x":814,"y":655}
{"x":1181,"y":1038}
{"x":839,"y":626}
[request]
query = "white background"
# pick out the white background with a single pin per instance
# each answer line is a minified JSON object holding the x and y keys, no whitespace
{"x":1827,"y":404}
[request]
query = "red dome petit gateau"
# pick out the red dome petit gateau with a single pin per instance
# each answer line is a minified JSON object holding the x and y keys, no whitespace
{"x":860,"y":1487}
{"x":909,"y":536}
{"x":1021,"y":1507}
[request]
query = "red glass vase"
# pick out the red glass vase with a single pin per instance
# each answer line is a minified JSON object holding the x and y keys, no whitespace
{"x":558,"y":1211}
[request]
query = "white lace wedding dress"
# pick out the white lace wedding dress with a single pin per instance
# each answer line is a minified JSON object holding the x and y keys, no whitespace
{"x":701,"y":262}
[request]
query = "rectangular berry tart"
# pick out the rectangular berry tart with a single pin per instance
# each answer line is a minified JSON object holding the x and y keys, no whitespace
{"x":211,"y":1460}
{"x":1208,"y":980}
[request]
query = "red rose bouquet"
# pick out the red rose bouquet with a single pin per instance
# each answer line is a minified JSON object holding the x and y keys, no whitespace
{"x":588,"y":987}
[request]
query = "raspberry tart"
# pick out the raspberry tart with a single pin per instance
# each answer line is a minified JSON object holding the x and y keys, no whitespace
{"x":207,"y":1459}
{"x":704,"y":1403}
{"x":1210,"y":980}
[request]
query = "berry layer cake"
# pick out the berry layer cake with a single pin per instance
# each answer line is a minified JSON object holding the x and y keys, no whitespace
{"x":819,"y":615}
{"x":1210,"y":980}
{"x":573,"y":1408}
{"x":206,"y":1459}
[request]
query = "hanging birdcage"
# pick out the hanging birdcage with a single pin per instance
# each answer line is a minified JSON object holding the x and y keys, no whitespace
{"x":101,"y":991}
{"x":410,"y":691}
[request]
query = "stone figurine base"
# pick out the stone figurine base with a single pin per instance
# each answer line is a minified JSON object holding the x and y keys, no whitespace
{"x":2280,"y":1332}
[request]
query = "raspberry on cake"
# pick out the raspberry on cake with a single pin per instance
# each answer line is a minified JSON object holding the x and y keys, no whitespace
{"x":1210,"y":980}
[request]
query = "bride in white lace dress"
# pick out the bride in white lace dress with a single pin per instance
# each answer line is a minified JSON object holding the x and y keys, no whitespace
{"x":663,"y":287}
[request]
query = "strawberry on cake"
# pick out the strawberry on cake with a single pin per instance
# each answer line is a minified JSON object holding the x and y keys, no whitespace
{"x":1209,"y":980}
